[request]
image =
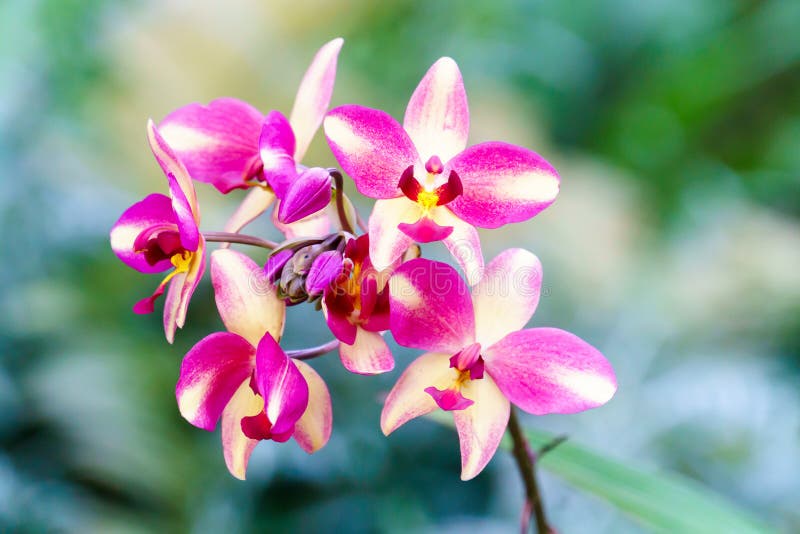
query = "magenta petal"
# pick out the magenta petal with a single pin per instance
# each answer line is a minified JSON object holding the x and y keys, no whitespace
{"x":154,"y":210}
{"x":275,"y":264}
{"x":211,"y":372}
{"x":425,"y":230}
{"x":371,"y":147}
{"x":314,"y":95}
{"x":307,"y":194}
{"x":282,"y":385}
{"x":325,"y":269}
{"x":502,"y":183}
{"x":148,"y":304}
{"x":173,"y":166}
{"x":547,"y":370}
{"x":341,"y":327}
{"x":430,"y":307}
{"x":218,"y":143}
{"x":437,"y":116}
{"x":276,"y":145}
{"x":256,"y":426}
{"x":187,"y":226}
{"x":449,"y":399}
{"x":369,"y":296}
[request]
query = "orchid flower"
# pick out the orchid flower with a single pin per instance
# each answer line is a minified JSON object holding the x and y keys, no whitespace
{"x":356,"y":305}
{"x":160,"y":233}
{"x":428,"y":185}
{"x":243,"y":378}
{"x":481,"y":359}
{"x":232,"y":145}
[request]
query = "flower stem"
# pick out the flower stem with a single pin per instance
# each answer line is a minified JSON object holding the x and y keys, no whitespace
{"x":313,"y":352}
{"x":228,"y":237}
{"x":526,"y":465}
{"x":339,"y":181}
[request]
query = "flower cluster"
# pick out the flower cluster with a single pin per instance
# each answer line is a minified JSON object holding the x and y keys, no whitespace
{"x":368,"y":279}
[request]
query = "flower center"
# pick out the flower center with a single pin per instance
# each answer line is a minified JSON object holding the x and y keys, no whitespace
{"x":469,"y":364}
{"x":425,"y":193}
{"x":427,"y":200}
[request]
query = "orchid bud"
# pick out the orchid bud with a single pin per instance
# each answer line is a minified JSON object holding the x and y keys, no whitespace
{"x":275,"y":264}
{"x":290,"y":279}
{"x":325,"y":269}
{"x":308,"y":194}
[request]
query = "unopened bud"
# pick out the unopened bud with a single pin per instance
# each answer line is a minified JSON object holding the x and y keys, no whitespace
{"x":306,"y":195}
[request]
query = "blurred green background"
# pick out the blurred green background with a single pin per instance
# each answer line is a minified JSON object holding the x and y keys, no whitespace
{"x":674,"y":247}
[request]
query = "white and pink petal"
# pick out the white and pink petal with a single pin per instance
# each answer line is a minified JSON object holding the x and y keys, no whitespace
{"x":181,"y":288}
{"x":313,"y":429}
{"x":371,"y":147}
{"x":217,"y":142}
{"x":236,"y":446}
{"x":437,"y":116}
{"x":503,"y":183}
{"x":430,"y":307}
{"x":172,"y":165}
{"x":408,"y":399}
{"x":256,"y":202}
{"x":210,"y":374}
{"x":314,"y":95}
{"x":367,"y":355}
{"x":507,"y":295}
{"x":481,"y":426}
{"x":387,"y":241}
{"x":245,"y":297}
{"x":547,"y":370}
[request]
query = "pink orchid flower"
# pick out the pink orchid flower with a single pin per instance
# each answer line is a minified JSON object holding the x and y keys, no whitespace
{"x":232,"y":145}
{"x":243,"y":378}
{"x":481,"y":360}
{"x":429,"y":186}
{"x":356,"y":307}
{"x":161,"y":233}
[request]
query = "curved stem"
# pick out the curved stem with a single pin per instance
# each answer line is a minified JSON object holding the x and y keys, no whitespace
{"x":313,"y":352}
{"x":228,"y":237}
{"x":527,"y":470}
{"x":339,"y":181}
